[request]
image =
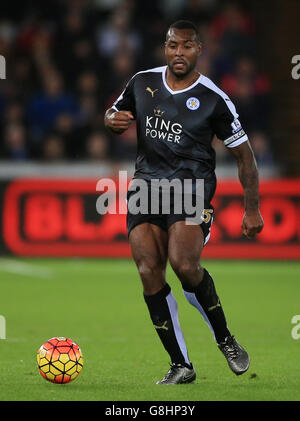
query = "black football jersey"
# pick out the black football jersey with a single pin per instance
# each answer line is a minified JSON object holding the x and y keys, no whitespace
{"x":175,"y":128}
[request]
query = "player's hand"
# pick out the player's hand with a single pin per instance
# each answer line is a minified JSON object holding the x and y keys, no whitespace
{"x":118,"y":121}
{"x":252,"y":224}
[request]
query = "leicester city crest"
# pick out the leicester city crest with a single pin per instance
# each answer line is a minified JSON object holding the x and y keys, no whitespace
{"x":193,"y":103}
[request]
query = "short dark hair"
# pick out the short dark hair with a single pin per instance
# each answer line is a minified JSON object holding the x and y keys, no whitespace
{"x":185,"y":24}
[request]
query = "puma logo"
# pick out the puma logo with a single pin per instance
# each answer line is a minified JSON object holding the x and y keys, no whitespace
{"x":213,"y":307}
{"x":151,"y":92}
{"x":162,"y":327}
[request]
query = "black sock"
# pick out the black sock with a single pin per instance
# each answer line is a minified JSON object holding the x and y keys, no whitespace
{"x":204,"y":297}
{"x":162,"y":307}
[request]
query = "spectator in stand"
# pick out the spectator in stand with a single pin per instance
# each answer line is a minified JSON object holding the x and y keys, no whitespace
{"x":88,"y":110}
{"x":197,"y":11}
{"x":97,"y":147}
{"x":15,"y":146}
{"x":88,"y":85}
{"x":66,"y":129}
{"x":118,"y":34}
{"x":24,"y":77}
{"x":27,"y":33}
{"x":261,"y":147}
{"x":233,"y":30}
{"x":249,"y":90}
{"x":90,"y":97}
{"x":122,"y":67}
{"x":74,"y":49}
{"x":14,"y":114}
{"x":53,"y":148}
{"x":108,"y":4}
{"x":211,"y":62}
{"x":245,"y":69}
{"x":47,"y":105}
{"x":12,"y":124}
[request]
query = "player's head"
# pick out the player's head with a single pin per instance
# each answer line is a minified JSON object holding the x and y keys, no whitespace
{"x":182,"y":47}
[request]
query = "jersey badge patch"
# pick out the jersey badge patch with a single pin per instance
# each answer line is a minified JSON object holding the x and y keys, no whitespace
{"x":193,"y":103}
{"x":236,"y":126}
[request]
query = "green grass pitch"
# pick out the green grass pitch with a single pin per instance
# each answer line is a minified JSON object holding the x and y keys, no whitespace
{"x":99,"y":304}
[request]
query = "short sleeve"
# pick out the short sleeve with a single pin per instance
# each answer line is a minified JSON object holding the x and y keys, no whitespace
{"x":126,"y":101}
{"x":226,"y":125}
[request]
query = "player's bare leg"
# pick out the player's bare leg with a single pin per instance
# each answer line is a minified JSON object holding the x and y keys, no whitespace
{"x":149,"y":246}
{"x":184,"y":250}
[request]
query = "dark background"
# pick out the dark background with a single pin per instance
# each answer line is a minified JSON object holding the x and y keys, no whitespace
{"x":67,"y":60}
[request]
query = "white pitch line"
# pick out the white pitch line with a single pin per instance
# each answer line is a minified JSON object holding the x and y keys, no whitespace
{"x":25,"y":269}
{"x":15,"y":340}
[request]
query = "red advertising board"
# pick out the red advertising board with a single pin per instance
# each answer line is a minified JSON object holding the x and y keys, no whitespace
{"x":58,"y":217}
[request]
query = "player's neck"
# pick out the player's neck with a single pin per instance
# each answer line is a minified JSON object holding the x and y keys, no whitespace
{"x":179,"y":83}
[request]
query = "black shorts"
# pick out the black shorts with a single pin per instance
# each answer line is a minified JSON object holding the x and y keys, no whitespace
{"x":164,"y":221}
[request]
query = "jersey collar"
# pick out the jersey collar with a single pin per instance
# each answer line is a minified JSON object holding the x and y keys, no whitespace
{"x":164,"y":71}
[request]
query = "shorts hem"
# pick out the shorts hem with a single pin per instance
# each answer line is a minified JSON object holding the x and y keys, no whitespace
{"x":145,"y":222}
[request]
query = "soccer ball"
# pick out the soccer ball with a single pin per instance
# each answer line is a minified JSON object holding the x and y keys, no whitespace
{"x":59,"y":360}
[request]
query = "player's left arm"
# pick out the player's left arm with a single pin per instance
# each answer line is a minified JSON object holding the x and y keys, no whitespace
{"x":248,"y":174}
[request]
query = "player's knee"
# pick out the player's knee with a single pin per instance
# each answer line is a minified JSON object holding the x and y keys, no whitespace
{"x":150,"y":270}
{"x":152,"y":276}
{"x":188,"y":272}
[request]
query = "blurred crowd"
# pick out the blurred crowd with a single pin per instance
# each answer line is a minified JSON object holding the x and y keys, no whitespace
{"x":67,"y":60}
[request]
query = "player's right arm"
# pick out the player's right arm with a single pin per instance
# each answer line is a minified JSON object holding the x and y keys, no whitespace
{"x":117,"y":121}
{"x":119,"y":117}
